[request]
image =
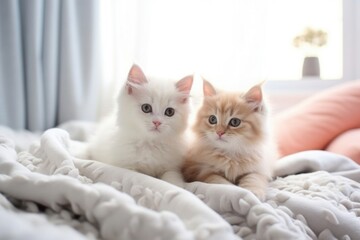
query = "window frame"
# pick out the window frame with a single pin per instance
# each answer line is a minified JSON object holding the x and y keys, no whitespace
{"x":351,"y":33}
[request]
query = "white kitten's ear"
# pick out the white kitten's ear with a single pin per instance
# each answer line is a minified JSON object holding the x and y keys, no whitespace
{"x":208,"y":89}
{"x":184,"y":86}
{"x":135,"y":77}
{"x":255,"y":96}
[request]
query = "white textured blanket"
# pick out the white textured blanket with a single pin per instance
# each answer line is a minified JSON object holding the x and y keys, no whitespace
{"x":45,"y":193}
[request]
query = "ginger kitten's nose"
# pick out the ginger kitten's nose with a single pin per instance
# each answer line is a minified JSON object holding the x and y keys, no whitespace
{"x":157,"y":123}
{"x":220,"y":133}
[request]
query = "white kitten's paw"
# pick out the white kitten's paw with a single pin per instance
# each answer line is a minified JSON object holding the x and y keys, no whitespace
{"x":79,"y":150}
{"x":173,"y":177}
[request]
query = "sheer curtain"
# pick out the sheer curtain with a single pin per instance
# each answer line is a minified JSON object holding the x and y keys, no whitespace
{"x":49,"y":62}
{"x":171,"y":39}
{"x":232,"y":43}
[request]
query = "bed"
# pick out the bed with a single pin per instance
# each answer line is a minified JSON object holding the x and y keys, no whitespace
{"x":47,"y":193}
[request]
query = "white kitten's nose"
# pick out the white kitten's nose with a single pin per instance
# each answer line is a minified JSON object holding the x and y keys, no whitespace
{"x":157,"y":123}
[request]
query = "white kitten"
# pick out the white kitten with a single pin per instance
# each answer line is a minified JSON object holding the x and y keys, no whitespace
{"x":146,"y":133}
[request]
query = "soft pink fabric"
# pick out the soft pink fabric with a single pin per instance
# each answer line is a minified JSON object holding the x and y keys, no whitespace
{"x":347,"y":144}
{"x":315,"y":122}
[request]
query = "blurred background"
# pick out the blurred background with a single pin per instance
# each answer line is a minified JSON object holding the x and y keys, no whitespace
{"x":65,"y":60}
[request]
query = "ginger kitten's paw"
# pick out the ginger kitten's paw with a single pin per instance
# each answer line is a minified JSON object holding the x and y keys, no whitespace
{"x":258,"y":192}
{"x":256,"y":183}
{"x":217,"y":179}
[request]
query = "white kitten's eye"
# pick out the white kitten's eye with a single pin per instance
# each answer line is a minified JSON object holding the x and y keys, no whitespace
{"x":234,"y":122}
{"x":146,"y":108}
{"x":169,"y":112}
{"x":212,"y":119}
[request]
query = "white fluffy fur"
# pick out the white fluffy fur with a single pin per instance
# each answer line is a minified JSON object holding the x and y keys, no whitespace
{"x":127,"y":138}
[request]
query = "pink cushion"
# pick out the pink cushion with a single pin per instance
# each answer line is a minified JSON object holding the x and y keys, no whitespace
{"x":347,"y":144}
{"x":315,"y":122}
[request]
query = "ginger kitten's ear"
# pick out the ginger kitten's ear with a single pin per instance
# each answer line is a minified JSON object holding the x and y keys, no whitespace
{"x":184,"y":86}
{"x":135,"y":77}
{"x":208,"y":89}
{"x":255,"y":97}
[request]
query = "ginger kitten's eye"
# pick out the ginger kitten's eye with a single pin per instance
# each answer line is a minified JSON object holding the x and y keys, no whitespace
{"x":169,"y":112}
{"x":212,"y":119}
{"x":234,"y":122}
{"x":146,"y":108}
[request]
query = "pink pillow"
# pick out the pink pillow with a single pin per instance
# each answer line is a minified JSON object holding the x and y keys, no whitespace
{"x":314,"y":123}
{"x":347,"y":144}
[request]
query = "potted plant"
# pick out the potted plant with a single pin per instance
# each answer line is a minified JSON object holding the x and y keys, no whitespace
{"x":310,"y":41}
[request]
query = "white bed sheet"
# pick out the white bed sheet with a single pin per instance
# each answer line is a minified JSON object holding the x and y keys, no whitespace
{"x":46,"y":193}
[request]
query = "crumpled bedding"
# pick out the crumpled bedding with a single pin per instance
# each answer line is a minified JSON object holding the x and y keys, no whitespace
{"x":46,"y":193}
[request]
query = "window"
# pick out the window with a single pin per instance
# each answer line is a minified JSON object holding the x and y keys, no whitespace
{"x":287,"y":19}
{"x":246,"y":39}
{"x":232,"y":43}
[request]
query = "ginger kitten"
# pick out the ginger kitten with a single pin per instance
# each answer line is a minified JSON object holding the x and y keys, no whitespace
{"x":233,"y":143}
{"x":146,"y":131}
